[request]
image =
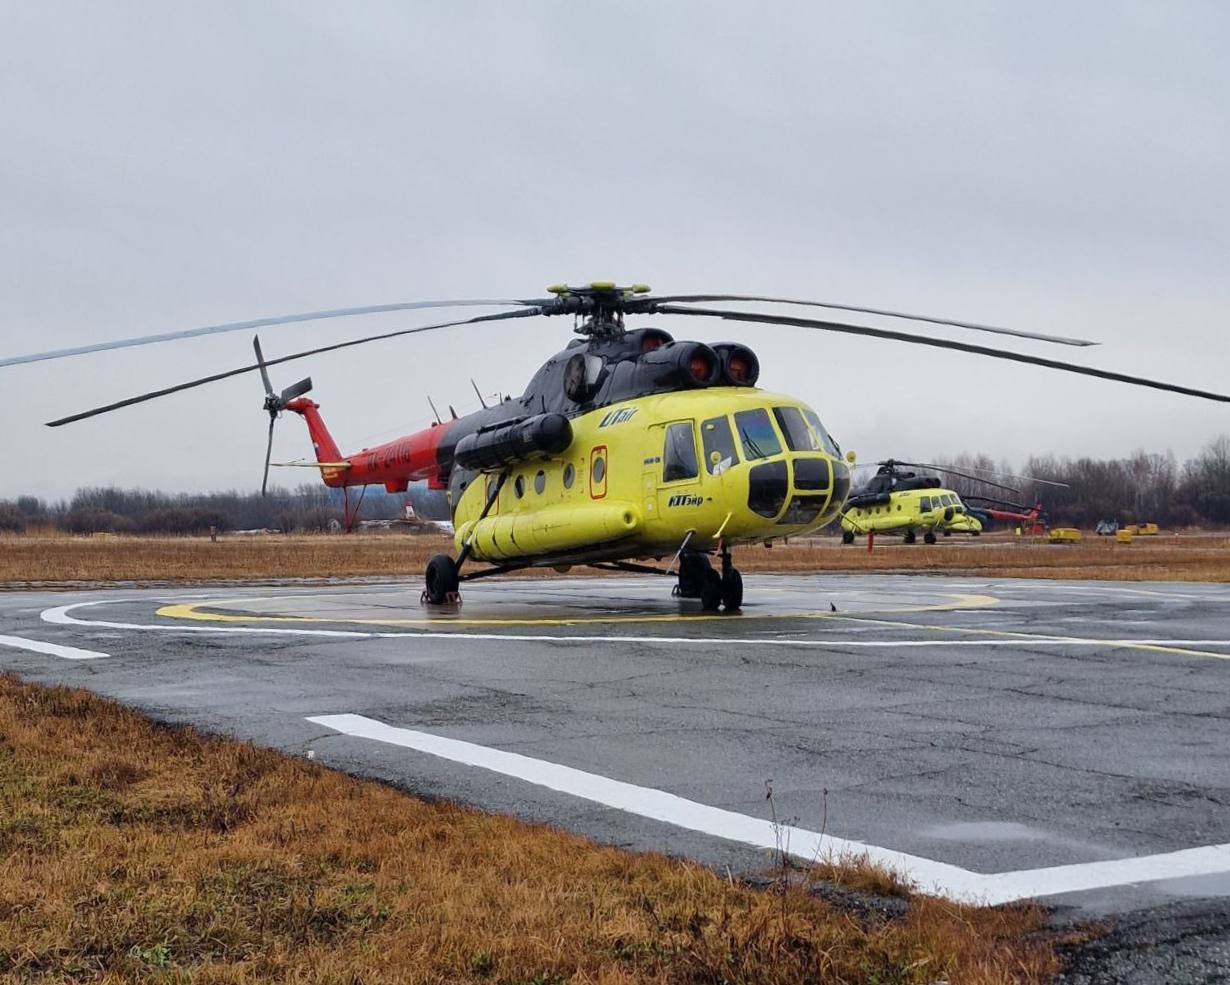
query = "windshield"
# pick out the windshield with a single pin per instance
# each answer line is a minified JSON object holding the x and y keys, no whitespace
{"x":799,"y":436}
{"x":826,"y":440}
{"x":757,"y":434}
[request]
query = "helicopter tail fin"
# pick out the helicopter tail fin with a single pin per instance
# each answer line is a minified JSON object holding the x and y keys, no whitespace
{"x":328,"y":456}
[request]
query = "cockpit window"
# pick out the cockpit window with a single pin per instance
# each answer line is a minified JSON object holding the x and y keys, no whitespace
{"x":799,"y":436}
{"x":719,"y":445}
{"x":924,"y":504}
{"x":826,"y":440}
{"x":757,"y":434}
{"x":679,"y":454}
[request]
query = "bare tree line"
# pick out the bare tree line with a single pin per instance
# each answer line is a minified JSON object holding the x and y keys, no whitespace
{"x":98,"y":509}
{"x":1146,"y":486}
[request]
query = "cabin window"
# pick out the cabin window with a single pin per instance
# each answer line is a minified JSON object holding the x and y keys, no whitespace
{"x":811,"y":473}
{"x":719,"y":445}
{"x":757,"y":434}
{"x":798,"y":435}
{"x":599,"y":470}
{"x":570,"y":475}
{"x":540,"y":482}
{"x":924,"y":504}
{"x":679,"y":454}
{"x":803,"y":509}
{"x":767,"y":487}
{"x":519,"y":486}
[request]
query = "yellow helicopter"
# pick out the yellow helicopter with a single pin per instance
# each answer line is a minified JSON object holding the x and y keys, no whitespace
{"x":896,"y":501}
{"x":626,"y":446}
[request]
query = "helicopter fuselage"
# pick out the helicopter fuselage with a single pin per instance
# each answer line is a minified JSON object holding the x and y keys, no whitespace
{"x":644,"y":477}
{"x":620,"y":448}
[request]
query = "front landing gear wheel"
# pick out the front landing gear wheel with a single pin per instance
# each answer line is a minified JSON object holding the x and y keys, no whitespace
{"x":694,"y":568}
{"x":929,"y":537}
{"x":732,"y":590}
{"x":442,"y":581}
{"x":711,"y":591}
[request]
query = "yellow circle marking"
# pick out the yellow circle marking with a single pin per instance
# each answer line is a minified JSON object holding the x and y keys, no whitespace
{"x":194,"y":611}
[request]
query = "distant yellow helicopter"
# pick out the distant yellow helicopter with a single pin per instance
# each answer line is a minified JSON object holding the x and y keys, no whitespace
{"x":626,"y":446}
{"x":897,"y":501}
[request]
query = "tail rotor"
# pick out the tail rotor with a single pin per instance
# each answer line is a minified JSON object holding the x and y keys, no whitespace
{"x":275,"y":403}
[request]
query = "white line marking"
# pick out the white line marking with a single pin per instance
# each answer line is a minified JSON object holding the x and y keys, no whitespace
{"x":60,"y":616}
{"x":936,"y":878}
{"x":52,"y":649}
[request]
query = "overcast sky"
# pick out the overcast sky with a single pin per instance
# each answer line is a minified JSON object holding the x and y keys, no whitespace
{"x":1051,"y":166}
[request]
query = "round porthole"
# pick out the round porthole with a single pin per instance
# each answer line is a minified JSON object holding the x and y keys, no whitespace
{"x":519,"y":486}
{"x":569,"y":475}
{"x":540,"y":482}
{"x":599,"y":470}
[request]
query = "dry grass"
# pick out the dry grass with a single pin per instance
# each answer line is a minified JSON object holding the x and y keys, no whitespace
{"x":60,"y":559}
{"x":132,"y":852}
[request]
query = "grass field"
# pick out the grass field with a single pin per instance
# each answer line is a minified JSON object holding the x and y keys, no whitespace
{"x":54,"y":559}
{"x":133,"y":852}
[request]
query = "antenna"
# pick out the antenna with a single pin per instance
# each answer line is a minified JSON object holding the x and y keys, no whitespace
{"x":433,"y":409}
{"x":479,"y":395}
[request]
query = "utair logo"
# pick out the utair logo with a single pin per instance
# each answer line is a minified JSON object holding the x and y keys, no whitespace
{"x":684,"y":500}
{"x":617,"y":417}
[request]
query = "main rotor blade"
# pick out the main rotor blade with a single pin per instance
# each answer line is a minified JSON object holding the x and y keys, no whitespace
{"x":966,"y":475}
{"x":980,"y":350}
{"x":215,"y":377}
{"x":268,"y":455}
{"x":976,"y":326}
{"x":1001,"y":475}
{"x":260,"y":361}
{"x":239,"y":326}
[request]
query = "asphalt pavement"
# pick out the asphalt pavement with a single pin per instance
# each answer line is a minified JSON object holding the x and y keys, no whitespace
{"x":991,"y":740}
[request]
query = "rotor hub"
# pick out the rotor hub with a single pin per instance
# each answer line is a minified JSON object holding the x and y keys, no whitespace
{"x":599,"y":307}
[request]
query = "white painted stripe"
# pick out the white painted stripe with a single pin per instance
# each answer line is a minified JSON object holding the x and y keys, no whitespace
{"x":60,"y":616}
{"x":52,"y":649}
{"x":928,"y":875}
{"x":655,"y":804}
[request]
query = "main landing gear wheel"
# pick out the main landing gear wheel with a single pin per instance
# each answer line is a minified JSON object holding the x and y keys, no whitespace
{"x":732,"y":590}
{"x":929,"y":537}
{"x":442,"y":581}
{"x":711,"y":591}
{"x":910,"y":536}
{"x":729,"y":588}
{"x":847,"y":536}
